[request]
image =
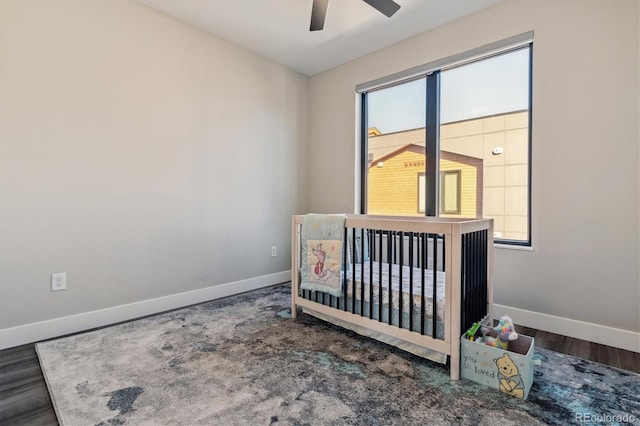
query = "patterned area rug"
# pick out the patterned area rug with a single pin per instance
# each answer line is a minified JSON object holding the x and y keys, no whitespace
{"x":244,"y":361}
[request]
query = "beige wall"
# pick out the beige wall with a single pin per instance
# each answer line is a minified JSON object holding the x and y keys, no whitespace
{"x":123,"y":158}
{"x":585,"y":160}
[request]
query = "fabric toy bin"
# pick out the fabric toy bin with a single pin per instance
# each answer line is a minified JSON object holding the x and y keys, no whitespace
{"x":510,"y":371}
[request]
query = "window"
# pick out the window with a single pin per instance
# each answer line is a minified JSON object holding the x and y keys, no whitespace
{"x":397,"y":148}
{"x":421,"y":191}
{"x":450,"y":192}
{"x":453,"y":139}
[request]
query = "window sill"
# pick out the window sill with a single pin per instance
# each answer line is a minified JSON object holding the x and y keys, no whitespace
{"x":513,"y":247}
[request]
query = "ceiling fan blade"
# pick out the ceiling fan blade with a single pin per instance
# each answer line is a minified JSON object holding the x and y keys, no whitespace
{"x":318,"y":13}
{"x":386,"y":7}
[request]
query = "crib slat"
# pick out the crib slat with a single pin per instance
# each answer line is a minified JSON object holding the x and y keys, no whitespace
{"x":464,"y":291}
{"x":400,"y":268}
{"x":474,"y":272}
{"x":444,"y":252}
{"x":411,"y":281}
{"x":344,"y":268}
{"x":372,"y":245}
{"x":422,"y":282}
{"x":444,"y":263}
{"x":380,"y":259}
{"x":472,"y":311}
{"x":474,"y":276}
{"x":485,"y":273}
{"x":353,"y":271}
{"x":389,"y":258}
{"x":361,"y":270}
{"x":434,"y":298}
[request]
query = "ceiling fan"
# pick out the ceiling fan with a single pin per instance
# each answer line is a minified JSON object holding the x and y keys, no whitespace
{"x":319,"y":10}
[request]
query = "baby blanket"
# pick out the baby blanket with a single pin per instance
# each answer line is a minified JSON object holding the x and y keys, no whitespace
{"x":322,"y":239}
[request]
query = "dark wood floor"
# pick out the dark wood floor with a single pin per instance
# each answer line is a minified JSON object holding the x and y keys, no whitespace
{"x":608,"y":355}
{"x":24,"y":399}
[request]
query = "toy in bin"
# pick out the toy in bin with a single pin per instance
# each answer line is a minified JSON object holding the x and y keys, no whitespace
{"x":473,"y":332}
{"x":505,"y":331}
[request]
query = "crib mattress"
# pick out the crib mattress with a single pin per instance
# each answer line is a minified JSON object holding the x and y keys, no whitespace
{"x":410,"y":285}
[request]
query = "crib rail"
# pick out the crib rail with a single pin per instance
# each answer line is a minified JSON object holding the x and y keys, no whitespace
{"x":442,"y":267}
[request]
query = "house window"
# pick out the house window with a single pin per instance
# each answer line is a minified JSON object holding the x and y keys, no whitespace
{"x":421,"y":191}
{"x":463,"y":128}
{"x":450,"y":192}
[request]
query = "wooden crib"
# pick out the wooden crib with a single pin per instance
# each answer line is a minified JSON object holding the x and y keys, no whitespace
{"x":415,"y":281}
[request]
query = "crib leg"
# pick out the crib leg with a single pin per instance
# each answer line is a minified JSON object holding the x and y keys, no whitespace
{"x":454,"y":373}
{"x":454,"y":365}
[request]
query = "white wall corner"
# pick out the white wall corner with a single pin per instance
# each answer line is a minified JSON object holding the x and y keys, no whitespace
{"x":619,"y":338}
{"x":43,"y":330}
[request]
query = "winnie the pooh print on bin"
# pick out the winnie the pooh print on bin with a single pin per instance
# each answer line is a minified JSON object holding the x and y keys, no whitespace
{"x":509,"y":379}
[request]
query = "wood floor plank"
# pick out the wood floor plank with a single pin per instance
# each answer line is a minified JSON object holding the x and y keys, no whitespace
{"x":26,"y":383}
{"x":629,"y":360}
{"x":14,"y":355}
{"x":44,"y":417}
{"x":558,"y":342}
{"x":18,"y":375}
{"x":24,"y":397}
{"x":607,"y":355}
{"x":35,"y":388}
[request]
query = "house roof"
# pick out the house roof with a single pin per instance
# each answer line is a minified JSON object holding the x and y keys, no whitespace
{"x":420,"y":149}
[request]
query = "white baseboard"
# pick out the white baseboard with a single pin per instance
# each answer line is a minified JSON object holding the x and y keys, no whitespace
{"x":623,"y":339}
{"x":34,"y":332}
{"x":37,"y":331}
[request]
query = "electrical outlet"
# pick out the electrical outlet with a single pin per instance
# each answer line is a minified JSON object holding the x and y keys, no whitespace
{"x":274,"y":251}
{"x":59,"y":281}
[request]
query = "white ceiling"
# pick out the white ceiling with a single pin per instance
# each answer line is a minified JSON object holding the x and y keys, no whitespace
{"x":279,"y":29}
